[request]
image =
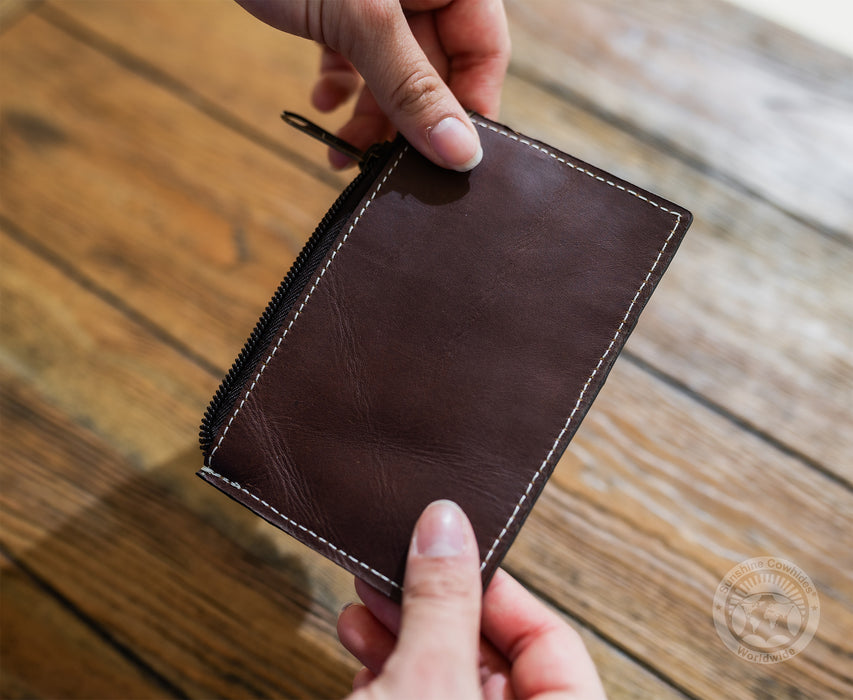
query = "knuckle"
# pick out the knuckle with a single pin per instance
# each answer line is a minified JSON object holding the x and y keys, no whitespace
{"x":359,"y":24}
{"x":436,"y":678}
{"x":419,"y":89}
{"x":380,"y":14}
{"x":442,"y":583}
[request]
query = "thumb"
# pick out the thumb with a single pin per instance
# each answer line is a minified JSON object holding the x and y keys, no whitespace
{"x":439,"y":635}
{"x":409,"y":90}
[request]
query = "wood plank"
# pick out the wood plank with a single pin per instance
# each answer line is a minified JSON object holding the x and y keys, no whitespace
{"x":105,"y":372}
{"x":145,"y":405}
{"x":37,"y":627}
{"x":251,"y":71}
{"x":162,"y":572}
{"x":750,"y":100}
{"x":825,"y":21}
{"x":201,"y":612}
{"x":68,"y":491}
{"x":729,"y":90}
{"x":651,"y":506}
{"x":753,"y":314}
{"x":189,"y":224}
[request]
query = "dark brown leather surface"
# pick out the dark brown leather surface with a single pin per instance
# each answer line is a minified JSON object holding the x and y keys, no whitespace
{"x":449,"y":347}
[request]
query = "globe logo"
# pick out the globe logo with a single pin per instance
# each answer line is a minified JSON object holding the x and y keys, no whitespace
{"x":766,"y":610}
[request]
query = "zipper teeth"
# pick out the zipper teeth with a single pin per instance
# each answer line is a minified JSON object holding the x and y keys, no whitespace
{"x":222,"y":399}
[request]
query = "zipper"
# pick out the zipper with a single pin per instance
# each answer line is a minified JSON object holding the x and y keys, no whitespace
{"x":312,"y":254}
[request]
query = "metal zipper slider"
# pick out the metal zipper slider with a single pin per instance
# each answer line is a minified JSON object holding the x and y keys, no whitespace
{"x":319,"y":133}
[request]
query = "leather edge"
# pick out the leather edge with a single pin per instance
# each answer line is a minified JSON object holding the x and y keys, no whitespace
{"x":596,"y":381}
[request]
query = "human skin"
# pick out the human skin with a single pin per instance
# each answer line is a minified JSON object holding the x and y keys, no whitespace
{"x":449,"y":640}
{"x":416,"y":66}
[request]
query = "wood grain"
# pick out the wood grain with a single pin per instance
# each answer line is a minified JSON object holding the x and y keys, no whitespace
{"x":145,"y":409}
{"x":37,"y":627}
{"x":151,"y":201}
{"x":169,"y":584}
{"x":200,"y":612}
{"x":754,"y":315}
{"x":641,"y":520}
{"x":179,"y":236}
{"x":731,"y":92}
{"x":165,"y":540}
{"x":251,"y":71}
{"x":767,"y":109}
{"x":92,"y":363}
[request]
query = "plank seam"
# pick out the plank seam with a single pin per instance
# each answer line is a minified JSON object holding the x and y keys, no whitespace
{"x":605,"y":638}
{"x":93,"y":625}
{"x":186,"y":93}
{"x":674,"y":150}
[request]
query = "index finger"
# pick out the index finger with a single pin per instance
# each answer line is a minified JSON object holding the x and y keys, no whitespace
{"x":475,"y":37}
{"x":545,"y":653}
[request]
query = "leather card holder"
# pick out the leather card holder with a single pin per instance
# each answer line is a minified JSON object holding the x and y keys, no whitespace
{"x":442,"y":335}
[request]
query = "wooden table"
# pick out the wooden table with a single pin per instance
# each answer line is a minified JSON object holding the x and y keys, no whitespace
{"x":150,"y":202}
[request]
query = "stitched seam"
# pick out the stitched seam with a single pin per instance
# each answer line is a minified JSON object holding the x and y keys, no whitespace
{"x":574,"y":166}
{"x":547,"y":460}
{"x":258,"y":376}
{"x":319,"y":538}
{"x":601,"y":360}
{"x":302,"y":307}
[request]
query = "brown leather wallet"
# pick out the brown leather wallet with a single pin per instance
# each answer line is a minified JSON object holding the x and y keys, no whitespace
{"x":441,"y":335}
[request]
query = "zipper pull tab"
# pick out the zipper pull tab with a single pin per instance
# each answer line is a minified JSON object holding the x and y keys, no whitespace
{"x":326,"y":137}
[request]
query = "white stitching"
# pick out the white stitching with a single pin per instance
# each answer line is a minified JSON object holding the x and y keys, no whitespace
{"x":319,"y":538}
{"x":560,"y":159}
{"x":616,"y":335}
{"x":583,"y":391}
{"x":245,"y":398}
{"x":302,"y":306}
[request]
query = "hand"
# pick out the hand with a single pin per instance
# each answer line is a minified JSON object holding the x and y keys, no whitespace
{"x":419,"y":60}
{"x":431,"y":646}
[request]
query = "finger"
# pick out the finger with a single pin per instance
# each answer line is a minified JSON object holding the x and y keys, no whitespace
{"x":338,"y":81}
{"x":408,"y":88}
{"x":364,"y":677}
{"x":365,"y":637}
{"x":383,"y":608}
{"x":285,"y":16}
{"x":368,"y":125}
{"x":423,"y":28}
{"x":546,"y":654}
{"x":475,"y":36}
{"x":439,"y":627}
{"x":494,"y":669}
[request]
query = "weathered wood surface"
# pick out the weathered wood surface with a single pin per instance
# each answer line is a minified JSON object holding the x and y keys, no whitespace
{"x":150,"y":201}
{"x":281,"y":639}
{"x":732,"y":94}
{"x":191,"y":612}
{"x":148,"y":558}
{"x":732,"y":318}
